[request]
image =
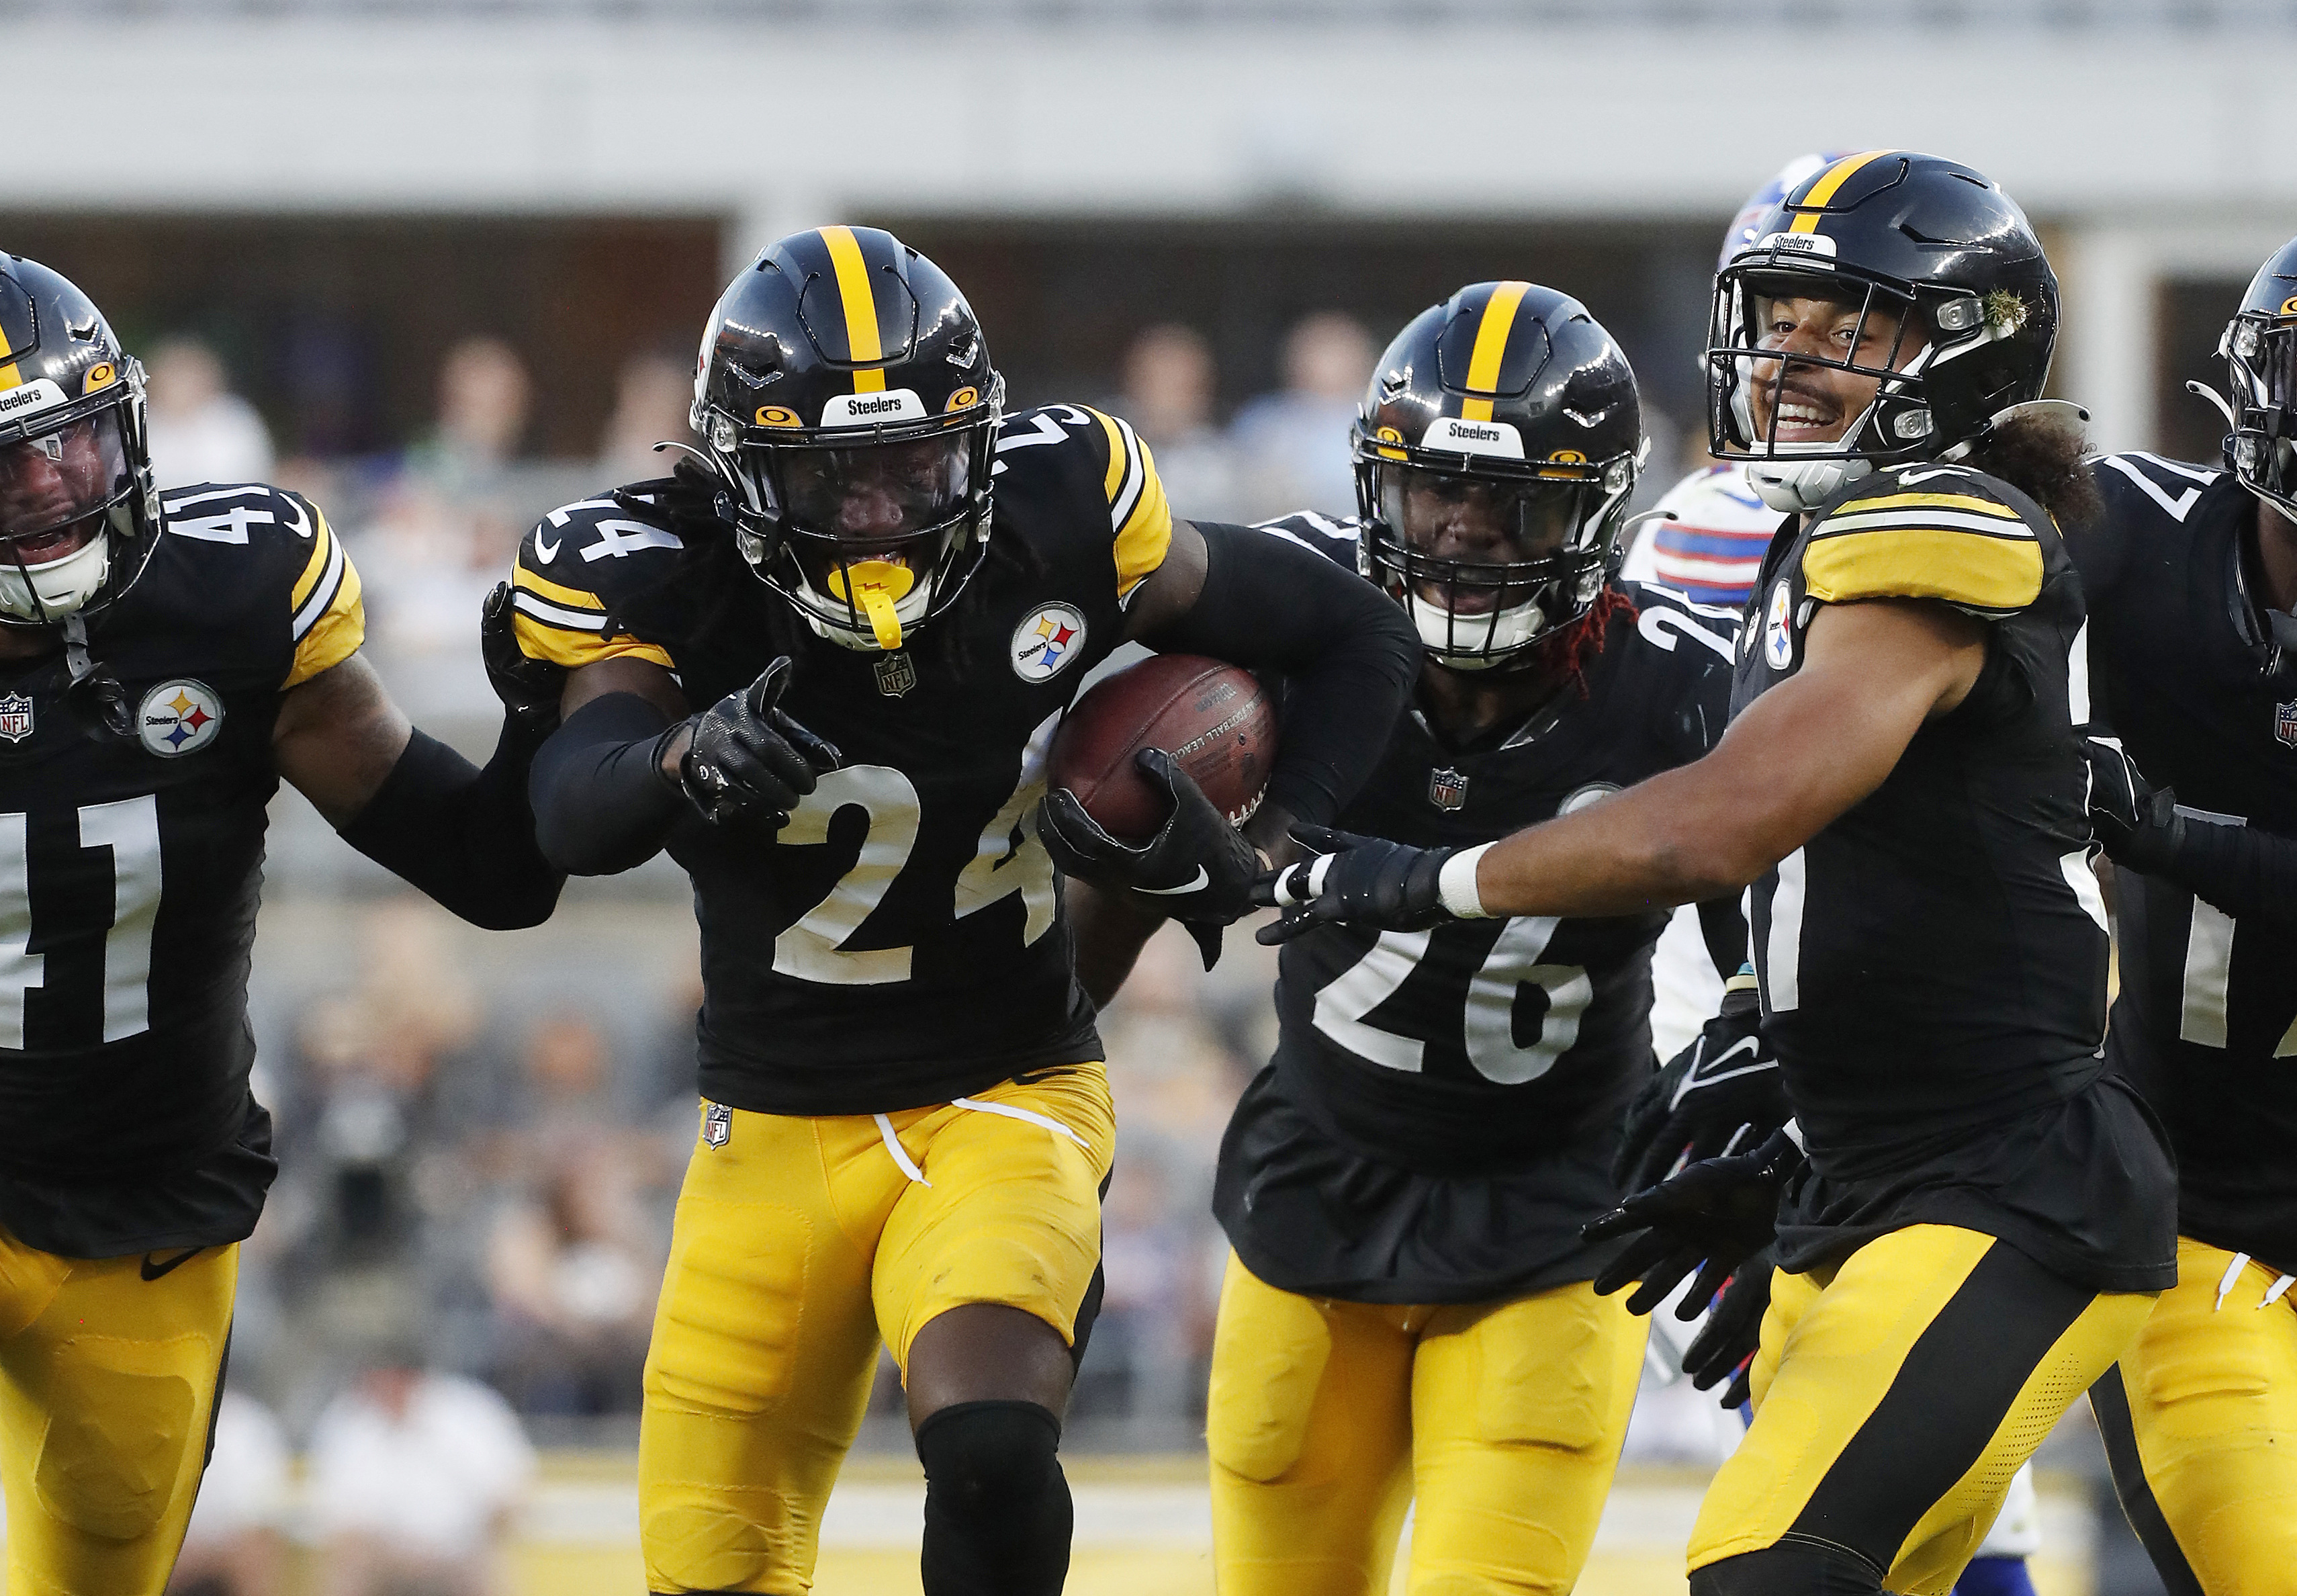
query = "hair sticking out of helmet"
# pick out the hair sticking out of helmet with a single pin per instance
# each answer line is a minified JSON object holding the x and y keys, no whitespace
{"x":847,"y":402}
{"x":2259,"y":349}
{"x":1495,"y":452}
{"x":1570,"y":650}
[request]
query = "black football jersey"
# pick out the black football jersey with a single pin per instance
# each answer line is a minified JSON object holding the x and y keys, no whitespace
{"x":2206,"y":1021}
{"x":1441,"y":1112}
{"x":900,"y":941}
{"x":1933,"y":961}
{"x":130,"y":864}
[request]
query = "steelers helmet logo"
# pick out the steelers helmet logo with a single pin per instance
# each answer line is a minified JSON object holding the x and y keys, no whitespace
{"x":179,"y":717}
{"x":1047,"y":639}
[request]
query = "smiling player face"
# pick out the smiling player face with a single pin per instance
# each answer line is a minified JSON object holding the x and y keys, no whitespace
{"x":1800,"y":402}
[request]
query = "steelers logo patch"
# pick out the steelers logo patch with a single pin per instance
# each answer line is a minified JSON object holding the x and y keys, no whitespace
{"x":1047,"y":639}
{"x":179,"y":717}
{"x":1778,"y":636}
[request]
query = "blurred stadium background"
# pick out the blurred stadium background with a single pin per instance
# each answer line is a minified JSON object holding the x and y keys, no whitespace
{"x":442,"y":263}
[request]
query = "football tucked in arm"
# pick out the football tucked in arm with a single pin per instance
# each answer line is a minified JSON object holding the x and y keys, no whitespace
{"x":1211,"y":716}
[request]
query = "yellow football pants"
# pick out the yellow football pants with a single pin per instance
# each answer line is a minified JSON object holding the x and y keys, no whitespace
{"x":107,"y":1386}
{"x":799,"y":1244}
{"x":2200,"y":1420}
{"x":1877,"y":1384}
{"x":1327,"y":1419}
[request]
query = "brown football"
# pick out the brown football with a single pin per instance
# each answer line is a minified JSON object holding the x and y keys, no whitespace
{"x":1210,"y":716}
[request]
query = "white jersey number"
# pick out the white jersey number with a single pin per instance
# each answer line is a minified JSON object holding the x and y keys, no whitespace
{"x":1488,"y":1018}
{"x":129,"y":830}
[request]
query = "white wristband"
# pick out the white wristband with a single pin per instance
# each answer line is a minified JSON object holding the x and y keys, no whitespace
{"x":1456,"y":884}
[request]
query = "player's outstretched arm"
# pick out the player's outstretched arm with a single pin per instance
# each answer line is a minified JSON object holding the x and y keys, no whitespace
{"x":463,"y":834}
{"x":1349,"y":656}
{"x":1801,"y":754}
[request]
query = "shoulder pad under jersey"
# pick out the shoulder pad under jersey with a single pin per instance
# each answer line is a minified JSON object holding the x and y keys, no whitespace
{"x":1926,"y":532}
{"x":293,"y":557}
{"x":1069,"y":470}
{"x":1336,"y":539}
{"x":577,"y":569}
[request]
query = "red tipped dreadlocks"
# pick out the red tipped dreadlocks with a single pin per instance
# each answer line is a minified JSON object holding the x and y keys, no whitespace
{"x":1570,"y":648}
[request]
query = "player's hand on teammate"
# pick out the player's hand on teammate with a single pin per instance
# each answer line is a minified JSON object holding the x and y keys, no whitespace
{"x":1198,"y":869}
{"x":2138,"y":823}
{"x":529,"y":688}
{"x":1733,"y":1329}
{"x":1363,"y":881}
{"x":745,"y":758}
{"x":1712,"y":1218}
{"x":1717,"y":1097}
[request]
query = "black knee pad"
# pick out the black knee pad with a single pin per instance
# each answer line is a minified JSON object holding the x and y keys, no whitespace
{"x":998,"y":1515}
{"x":1791,"y":1568}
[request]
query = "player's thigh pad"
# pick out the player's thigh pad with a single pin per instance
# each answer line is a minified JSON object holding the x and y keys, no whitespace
{"x":763,"y":1347}
{"x":1007,"y":1210}
{"x":1906,"y":1392}
{"x":104,"y":1415}
{"x":1517,"y":1412}
{"x":1309,"y":1428}
{"x":2200,"y":1421}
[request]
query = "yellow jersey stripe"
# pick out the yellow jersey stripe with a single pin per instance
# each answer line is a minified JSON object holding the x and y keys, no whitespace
{"x":10,"y":377}
{"x":862,"y":342}
{"x":1830,"y":183}
{"x":1145,"y":537}
{"x":323,"y":537}
{"x":1119,"y":458}
{"x":538,"y":640}
{"x":1964,"y":568}
{"x":520,"y":577}
{"x":1930,"y":501}
{"x":1491,"y":348}
{"x":336,"y":633}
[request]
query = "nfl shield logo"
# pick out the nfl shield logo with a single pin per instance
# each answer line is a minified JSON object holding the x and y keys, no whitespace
{"x":16,"y":717}
{"x":1447,"y":789}
{"x":2285,"y":720}
{"x":895,"y":674}
{"x":716,"y":1125}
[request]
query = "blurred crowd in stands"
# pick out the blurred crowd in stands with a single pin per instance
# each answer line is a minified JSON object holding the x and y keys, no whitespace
{"x":482,"y":1138}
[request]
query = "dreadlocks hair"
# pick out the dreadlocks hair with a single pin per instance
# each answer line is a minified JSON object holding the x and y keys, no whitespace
{"x":2043,"y":458}
{"x":1569,"y":650}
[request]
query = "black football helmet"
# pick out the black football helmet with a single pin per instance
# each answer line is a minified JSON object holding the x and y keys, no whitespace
{"x":1509,"y":409}
{"x":79,"y":512}
{"x":2259,"y":346}
{"x":1934,"y":246}
{"x":846,"y":400}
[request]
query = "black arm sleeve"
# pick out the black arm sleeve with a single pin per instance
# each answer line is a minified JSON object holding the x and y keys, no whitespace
{"x":463,"y":834}
{"x":599,"y":806}
{"x":1349,"y":657}
{"x":2245,"y":872}
{"x":1725,"y":931}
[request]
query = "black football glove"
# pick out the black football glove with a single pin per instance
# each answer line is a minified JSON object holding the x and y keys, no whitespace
{"x":529,"y":688}
{"x":2138,"y":823}
{"x":1363,"y":881}
{"x":1726,"y":1342}
{"x":1198,"y":869}
{"x":747,"y":760}
{"x":1717,"y":1097}
{"x":1712,"y":1217}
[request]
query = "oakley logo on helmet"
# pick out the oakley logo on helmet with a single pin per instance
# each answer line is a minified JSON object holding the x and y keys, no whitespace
{"x":1450,"y":433}
{"x":867,"y":409}
{"x":102,"y":374}
{"x":38,"y":394}
{"x":777,"y":415}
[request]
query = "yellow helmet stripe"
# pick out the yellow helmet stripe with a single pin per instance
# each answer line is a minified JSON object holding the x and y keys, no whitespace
{"x":861,"y":343}
{"x":1491,"y":346}
{"x":10,"y":377}
{"x":1829,"y":182}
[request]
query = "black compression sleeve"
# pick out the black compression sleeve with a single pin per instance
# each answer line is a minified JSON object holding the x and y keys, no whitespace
{"x":1350,"y":657}
{"x":599,"y":805}
{"x":463,"y":834}
{"x":2245,"y":872}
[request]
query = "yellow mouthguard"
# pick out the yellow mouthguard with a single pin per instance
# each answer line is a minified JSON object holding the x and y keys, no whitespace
{"x":877,"y":584}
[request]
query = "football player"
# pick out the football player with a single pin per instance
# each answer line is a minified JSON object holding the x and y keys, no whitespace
{"x":813,"y":670}
{"x":1407,"y":1317}
{"x":1981,"y":1216}
{"x":2190,"y":578}
{"x":164,"y":661}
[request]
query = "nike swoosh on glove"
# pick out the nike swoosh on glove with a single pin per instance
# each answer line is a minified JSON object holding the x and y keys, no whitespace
{"x":747,"y":760}
{"x":1198,"y":869}
{"x":1719,"y":1096}
{"x":1359,"y":880}
{"x":2138,"y":823}
{"x":1712,"y":1218}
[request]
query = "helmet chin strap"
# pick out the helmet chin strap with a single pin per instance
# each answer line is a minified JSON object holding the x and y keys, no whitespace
{"x":90,"y":678}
